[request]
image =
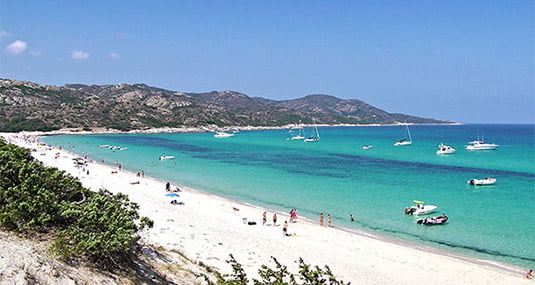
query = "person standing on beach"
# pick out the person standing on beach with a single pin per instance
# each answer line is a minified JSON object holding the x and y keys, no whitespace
{"x":329,"y":220}
{"x":285,"y":229}
{"x":264,"y":218}
{"x":274,"y":219}
{"x":167,"y":186}
{"x":321,"y":219}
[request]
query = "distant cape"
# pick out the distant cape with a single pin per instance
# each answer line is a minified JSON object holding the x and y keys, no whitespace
{"x":33,"y":107}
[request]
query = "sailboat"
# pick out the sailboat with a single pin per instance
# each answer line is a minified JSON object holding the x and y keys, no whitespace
{"x":300,"y":135}
{"x":315,"y":137}
{"x":405,"y":141}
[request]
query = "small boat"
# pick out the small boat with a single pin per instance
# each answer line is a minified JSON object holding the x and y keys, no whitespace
{"x":445,"y":149}
{"x":164,"y":157}
{"x":367,"y":146}
{"x":404,"y":141}
{"x":481,"y":145}
{"x":482,"y":182}
{"x":437,"y":220}
{"x":315,"y":137}
{"x":300,"y":135}
{"x":420,"y":209}
{"x":223,"y":135}
{"x":104,"y":145}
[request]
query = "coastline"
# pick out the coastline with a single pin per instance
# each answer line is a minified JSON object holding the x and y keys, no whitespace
{"x":207,"y":129}
{"x":207,"y":229}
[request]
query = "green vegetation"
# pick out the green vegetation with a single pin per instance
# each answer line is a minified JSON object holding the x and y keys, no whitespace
{"x":98,"y":227}
{"x":24,"y":124}
{"x":310,"y":275}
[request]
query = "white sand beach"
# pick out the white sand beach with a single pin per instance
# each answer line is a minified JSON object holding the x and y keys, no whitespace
{"x":208,"y":228}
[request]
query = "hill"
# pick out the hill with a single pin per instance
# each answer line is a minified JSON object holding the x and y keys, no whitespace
{"x":30,"y":106}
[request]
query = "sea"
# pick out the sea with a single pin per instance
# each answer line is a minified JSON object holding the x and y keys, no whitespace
{"x":336,"y":176}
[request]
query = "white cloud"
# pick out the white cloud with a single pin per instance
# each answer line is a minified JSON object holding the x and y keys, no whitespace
{"x":78,"y":54}
{"x":35,"y":52}
{"x":16,"y":47}
{"x":4,"y":34}
{"x":113,"y":55}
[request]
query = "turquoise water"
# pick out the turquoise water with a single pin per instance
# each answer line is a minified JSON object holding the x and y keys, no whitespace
{"x":336,"y":176}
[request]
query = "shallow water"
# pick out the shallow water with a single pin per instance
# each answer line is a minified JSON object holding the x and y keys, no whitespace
{"x":336,"y":176}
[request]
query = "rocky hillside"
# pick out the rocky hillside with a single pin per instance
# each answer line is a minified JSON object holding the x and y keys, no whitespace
{"x":30,"y":106}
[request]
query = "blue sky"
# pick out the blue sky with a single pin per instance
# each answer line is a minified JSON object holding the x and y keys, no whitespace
{"x":466,"y":61}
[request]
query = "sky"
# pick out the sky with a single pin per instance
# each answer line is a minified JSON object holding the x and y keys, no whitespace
{"x":464,"y":61}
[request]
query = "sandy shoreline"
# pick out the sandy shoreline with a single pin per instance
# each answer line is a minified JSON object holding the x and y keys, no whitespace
{"x":76,"y":131}
{"x":208,"y":228}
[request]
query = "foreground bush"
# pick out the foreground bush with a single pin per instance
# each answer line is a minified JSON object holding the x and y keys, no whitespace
{"x":100,"y":227}
{"x":310,"y":275}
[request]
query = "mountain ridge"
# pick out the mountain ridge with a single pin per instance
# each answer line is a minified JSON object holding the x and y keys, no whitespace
{"x":30,"y":106}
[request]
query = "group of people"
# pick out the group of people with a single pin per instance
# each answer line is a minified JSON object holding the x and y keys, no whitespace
{"x":329,"y":220}
{"x":264,"y":219}
{"x":175,"y":202}
{"x":293,"y":217}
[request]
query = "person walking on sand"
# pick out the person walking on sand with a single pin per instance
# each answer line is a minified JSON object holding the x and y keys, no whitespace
{"x":529,"y":274}
{"x":264,"y":218}
{"x":329,"y":220}
{"x":321,"y":219}
{"x":285,"y":229}
{"x":167,"y":186}
{"x":274,"y":219}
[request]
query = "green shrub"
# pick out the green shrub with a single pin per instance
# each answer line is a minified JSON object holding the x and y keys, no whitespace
{"x":100,"y":227}
{"x":279,"y":276}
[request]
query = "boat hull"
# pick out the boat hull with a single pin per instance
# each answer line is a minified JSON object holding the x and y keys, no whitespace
{"x":166,"y":157}
{"x":471,"y":147}
{"x":223,"y":135}
{"x":420,"y":210}
{"x":481,"y":182}
{"x":438,"y":220}
{"x":403,"y":143}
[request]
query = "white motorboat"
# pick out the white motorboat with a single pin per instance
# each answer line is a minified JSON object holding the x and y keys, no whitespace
{"x":405,"y":141}
{"x":420,"y":209}
{"x":223,"y":135}
{"x":164,"y":157}
{"x":482,"y":182}
{"x":481,"y":145}
{"x":445,"y":149}
{"x":369,"y":146}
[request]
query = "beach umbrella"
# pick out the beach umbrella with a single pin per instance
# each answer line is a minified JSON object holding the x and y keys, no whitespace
{"x":172,"y":195}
